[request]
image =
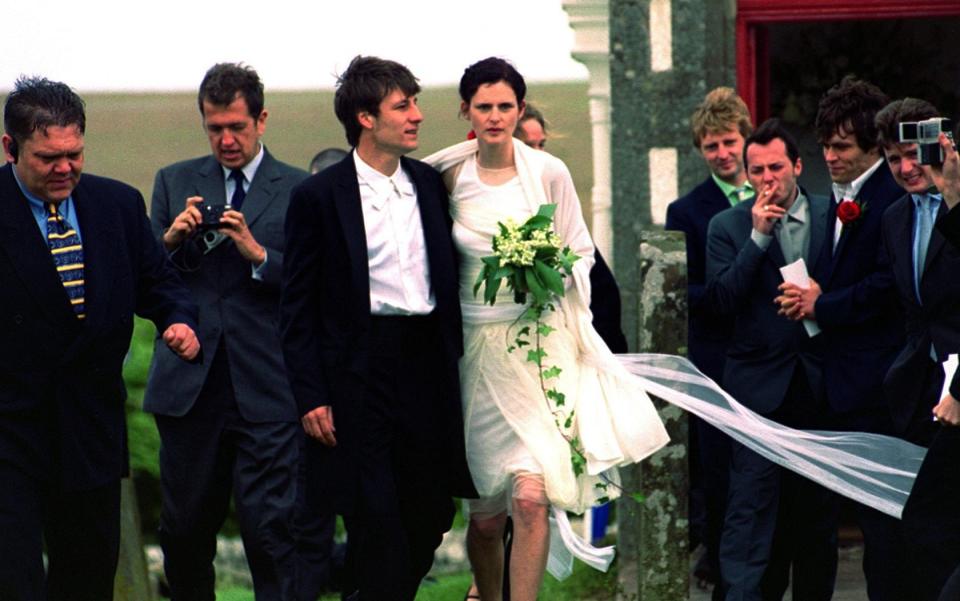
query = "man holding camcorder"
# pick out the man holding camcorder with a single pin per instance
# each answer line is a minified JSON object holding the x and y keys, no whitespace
{"x":925,"y":269}
{"x":229,"y":424}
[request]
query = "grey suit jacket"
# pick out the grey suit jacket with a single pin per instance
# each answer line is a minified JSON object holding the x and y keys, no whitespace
{"x":742,"y":282}
{"x":235,"y":309}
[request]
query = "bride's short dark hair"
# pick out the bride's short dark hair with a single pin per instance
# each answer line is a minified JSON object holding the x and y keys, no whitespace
{"x":491,"y":70}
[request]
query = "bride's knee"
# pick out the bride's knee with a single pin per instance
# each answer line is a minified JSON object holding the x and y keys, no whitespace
{"x":529,"y":514}
{"x":487,"y":529}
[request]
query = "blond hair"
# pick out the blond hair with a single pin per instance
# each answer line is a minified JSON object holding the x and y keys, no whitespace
{"x":720,"y":111}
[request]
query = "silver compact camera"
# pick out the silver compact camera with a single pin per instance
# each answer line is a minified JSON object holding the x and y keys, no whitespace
{"x":925,"y":135}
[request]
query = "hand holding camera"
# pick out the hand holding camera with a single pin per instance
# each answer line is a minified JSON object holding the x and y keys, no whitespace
{"x":946,"y":176}
{"x":185,"y":224}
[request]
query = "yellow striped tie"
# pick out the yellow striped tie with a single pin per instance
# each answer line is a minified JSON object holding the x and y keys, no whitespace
{"x":67,"y":252}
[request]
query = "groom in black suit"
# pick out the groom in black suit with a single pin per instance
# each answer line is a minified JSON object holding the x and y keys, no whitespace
{"x":77,"y":260}
{"x":854,"y":300}
{"x":371,"y":327}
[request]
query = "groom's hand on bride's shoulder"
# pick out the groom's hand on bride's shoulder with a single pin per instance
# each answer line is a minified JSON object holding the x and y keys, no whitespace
{"x":318,"y":424}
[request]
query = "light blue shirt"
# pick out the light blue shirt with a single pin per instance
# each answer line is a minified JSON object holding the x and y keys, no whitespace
{"x":39,"y":209}
{"x":934,"y":208}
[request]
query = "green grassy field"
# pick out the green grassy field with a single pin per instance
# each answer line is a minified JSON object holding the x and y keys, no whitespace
{"x":131,"y":136}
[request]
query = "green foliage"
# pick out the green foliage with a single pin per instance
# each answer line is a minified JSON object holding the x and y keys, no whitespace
{"x":142,"y":431}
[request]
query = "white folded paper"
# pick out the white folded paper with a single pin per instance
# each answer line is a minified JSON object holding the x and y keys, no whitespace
{"x":796,"y":273}
{"x":949,"y":366}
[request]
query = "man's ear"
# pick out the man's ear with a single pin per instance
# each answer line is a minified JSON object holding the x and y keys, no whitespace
{"x":10,"y":148}
{"x":365,"y":119}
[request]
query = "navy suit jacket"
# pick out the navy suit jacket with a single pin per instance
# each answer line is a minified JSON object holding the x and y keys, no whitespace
{"x":743,"y":280}
{"x":62,"y":394}
{"x":914,"y":381}
{"x":858,"y":310}
{"x":708,"y":334}
{"x":326,"y":319}
{"x":237,"y":309}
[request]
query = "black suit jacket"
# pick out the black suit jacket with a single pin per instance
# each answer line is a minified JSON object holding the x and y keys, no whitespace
{"x":61,"y":387}
{"x":237,"y":309}
{"x":914,"y":381}
{"x":708,"y":335}
{"x":325,"y":311}
{"x":949,"y":226}
{"x":742,"y":282}
{"x":858,"y":310}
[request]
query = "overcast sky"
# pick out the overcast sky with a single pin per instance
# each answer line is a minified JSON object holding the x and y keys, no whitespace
{"x":169,"y":44}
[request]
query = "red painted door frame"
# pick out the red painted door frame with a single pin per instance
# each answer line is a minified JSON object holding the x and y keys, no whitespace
{"x":753,"y":68}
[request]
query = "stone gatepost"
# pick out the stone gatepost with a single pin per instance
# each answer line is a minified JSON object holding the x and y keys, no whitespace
{"x":132,"y":582}
{"x":654,"y":559}
{"x":664,"y":57}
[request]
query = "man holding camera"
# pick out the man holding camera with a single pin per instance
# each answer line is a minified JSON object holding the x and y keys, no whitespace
{"x":924,"y":268}
{"x":230,"y":424}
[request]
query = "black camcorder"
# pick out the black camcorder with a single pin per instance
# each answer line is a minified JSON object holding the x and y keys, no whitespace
{"x":925,"y":134}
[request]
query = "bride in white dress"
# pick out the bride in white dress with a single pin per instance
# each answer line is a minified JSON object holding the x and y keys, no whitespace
{"x":519,"y":458}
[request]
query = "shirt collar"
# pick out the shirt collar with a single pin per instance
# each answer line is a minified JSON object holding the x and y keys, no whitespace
{"x":64,"y":207}
{"x":851,"y":190}
{"x":918,"y":198}
{"x":249,"y":170}
{"x":798,"y":210}
{"x":382,"y":185}
{"x":729,"y":190}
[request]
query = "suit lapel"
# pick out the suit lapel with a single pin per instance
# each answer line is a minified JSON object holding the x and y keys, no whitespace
{"x":819,"y":225}
{"x":28,"y":252}
{"x":901,"y":215}
{"x":431,"y":217}
{"x":100,"y":255}
{"x":262,"y":189}
{"x":208,"y":183}
{"x":349,"y":211}
{"x":936,"y":241}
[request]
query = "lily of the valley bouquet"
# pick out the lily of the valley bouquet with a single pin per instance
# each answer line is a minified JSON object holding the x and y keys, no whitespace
{"x":529,"y":257}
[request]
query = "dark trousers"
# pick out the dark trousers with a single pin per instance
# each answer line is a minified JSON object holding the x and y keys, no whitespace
{"x":205,"y":456}
{"x":713,"y":458}
{"x":884,"y":543}
{"x":82,"y":533}
{"x":314,"y":526}
{"x":403,"y":508}
{"x":931,"y":519}
{"x":778,"y":522}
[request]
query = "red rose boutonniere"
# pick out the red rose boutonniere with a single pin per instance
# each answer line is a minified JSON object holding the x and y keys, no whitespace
{"x":850,"y":211}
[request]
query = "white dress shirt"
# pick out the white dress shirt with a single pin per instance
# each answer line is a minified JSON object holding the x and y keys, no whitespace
{"x":396,"y":249}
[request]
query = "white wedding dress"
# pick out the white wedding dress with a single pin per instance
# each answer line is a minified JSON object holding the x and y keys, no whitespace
{"x":510,"y":427}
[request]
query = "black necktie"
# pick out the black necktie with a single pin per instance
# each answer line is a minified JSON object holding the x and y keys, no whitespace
{"x":238,"y":192}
